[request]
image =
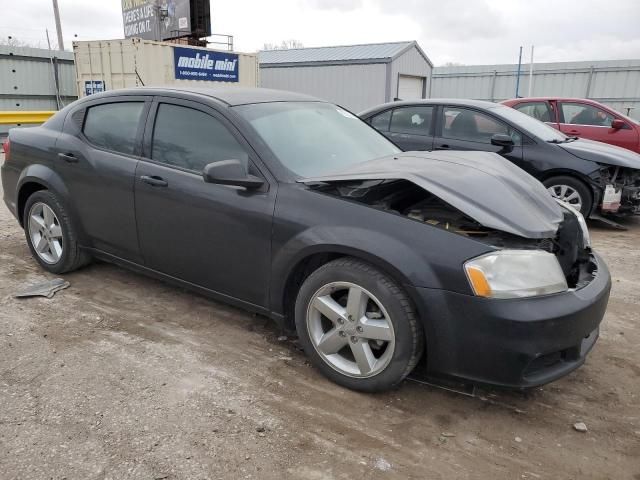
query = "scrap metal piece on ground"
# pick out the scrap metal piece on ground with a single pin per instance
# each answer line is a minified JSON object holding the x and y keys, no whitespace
{"x":43,"y":289}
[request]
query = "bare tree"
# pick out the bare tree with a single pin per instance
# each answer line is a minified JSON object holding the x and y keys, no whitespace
{"x":11,"y":41}
{"x":284,"y":45}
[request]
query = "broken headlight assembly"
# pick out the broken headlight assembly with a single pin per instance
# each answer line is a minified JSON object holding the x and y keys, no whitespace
{"x":586,"y":238}
{"x":515,"y":274}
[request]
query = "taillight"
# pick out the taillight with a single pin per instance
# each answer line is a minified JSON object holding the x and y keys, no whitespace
{"x":6,"y":147}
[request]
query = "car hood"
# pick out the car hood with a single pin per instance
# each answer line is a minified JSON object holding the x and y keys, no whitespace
{"x":482,"y":185}
{"x":602,"y":153}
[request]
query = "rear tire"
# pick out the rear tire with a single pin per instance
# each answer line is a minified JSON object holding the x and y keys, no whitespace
{"x":50,"y":233}
{"x":572,"y":191}
{"x":358,"y":326}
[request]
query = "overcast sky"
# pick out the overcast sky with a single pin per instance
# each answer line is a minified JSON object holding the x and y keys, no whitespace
{"x":462,"y":31}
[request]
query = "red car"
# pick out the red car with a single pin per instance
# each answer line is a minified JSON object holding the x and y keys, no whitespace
{"x":579,"y":117}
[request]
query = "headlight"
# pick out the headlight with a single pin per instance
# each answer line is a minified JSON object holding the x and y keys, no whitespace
{"x":515,"y":274}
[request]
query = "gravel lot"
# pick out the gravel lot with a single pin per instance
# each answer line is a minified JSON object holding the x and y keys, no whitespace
{"x":121,"y":376}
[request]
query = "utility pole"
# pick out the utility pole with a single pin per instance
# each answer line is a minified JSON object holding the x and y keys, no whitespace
{"x":531,"y":74}
{"x":56,"y":14}
{"x":518,"y":76}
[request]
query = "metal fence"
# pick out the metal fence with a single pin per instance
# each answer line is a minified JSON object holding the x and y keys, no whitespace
{"x":613,"y":82}
{"x":28,"y":80}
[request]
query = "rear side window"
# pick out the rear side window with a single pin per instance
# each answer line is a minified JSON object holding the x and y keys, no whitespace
{"x":381,"y":121}
{"x":538,"y":110}
{"x":412,"y":120}
{"x":190,"y":139}
{"x":114,"y":125}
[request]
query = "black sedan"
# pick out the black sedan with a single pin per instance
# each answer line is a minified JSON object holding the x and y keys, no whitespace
{"x":296,"y":209}
{"x":593,"y":177}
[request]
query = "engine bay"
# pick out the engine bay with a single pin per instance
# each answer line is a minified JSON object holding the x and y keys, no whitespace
{"x":402,"y":197}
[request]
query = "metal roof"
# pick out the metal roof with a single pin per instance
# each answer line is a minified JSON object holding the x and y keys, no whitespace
{"x":366,"y":53}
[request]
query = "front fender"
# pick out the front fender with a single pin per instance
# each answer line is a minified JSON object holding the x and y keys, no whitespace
{"x":383,"y":251}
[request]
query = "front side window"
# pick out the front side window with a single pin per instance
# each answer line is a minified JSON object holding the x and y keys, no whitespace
{"x":583,"y":114}
{"x":412,"y":120}
{"x":315,"y":138}
{"x":538,"y":110}
{"x":113,"y":126}
{"x":473,"y":126}
{"x":190,"y":139}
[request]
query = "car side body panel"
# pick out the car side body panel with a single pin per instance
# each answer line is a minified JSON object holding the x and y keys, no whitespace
{"x":350,"y":228}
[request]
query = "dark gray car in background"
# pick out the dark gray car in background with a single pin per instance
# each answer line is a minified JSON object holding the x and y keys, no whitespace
{"x":594,"y":177}
{"x":296,"y":209}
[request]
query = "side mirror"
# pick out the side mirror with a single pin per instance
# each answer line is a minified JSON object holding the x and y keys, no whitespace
{"x":230,"y":172}
{"x":504,"y":141}
{"x":617,"y":124}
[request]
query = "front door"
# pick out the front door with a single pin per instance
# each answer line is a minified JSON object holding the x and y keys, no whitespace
{"x":214,"y":236}
{"x":588,"y":121}
{"x":461,"y":128}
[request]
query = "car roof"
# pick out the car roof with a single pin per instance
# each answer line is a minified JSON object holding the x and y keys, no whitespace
{"x":230,"y":95}
{"x":462,"y":102}
{"x":544,"y":99}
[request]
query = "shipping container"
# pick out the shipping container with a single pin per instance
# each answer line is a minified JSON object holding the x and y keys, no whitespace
{"x":134,"y":62}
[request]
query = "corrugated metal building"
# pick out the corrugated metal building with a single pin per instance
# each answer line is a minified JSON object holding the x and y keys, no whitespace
{"x":613,"y":82}
{"x":354,"y":76}
{"x":27,"y":79}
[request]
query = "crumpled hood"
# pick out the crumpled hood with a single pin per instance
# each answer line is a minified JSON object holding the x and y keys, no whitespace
{"x":602,"y":153}
{"x":482,"y":185}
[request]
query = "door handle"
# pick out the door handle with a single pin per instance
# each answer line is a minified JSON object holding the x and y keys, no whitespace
{"x":574,"y":132}
{"x":443,"y":147}
{"x":154,"y":181}
{"x":68,"y":157}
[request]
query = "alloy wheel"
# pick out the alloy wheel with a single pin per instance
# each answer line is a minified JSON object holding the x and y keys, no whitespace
{"x":45,"y":233}
{"x":566,"y":194}
{"x":350,"y":329}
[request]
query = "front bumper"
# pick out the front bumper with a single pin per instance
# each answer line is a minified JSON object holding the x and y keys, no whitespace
{"x":516,"y":343}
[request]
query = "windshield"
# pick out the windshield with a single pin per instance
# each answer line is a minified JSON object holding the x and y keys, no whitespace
{"x":312,"y":138}
{"x":529,"y":124}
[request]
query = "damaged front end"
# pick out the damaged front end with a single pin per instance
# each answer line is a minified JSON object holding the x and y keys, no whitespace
{"x":536,"y":294}
{"x":621,"y":190}
{"x":569,"y":244}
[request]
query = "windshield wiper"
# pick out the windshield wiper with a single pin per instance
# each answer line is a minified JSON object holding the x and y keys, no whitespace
{"x":566,"y":140}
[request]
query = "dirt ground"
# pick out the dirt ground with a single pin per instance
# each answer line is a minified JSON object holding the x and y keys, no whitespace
{"x":121,"y":376}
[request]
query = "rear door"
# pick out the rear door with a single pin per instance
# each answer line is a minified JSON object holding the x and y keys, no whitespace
{"x":409,"y":127}
{"x":97,"y":155}
{"x":215,"y":236}
{"x":463,"y":128}
{"x":588,"y":121}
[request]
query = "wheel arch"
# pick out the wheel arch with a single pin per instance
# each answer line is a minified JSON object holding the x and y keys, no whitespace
{"x":38,"y":177}
{"x":593,"y":187}
{"x":562,"y":172}
{"x":312,"y":259}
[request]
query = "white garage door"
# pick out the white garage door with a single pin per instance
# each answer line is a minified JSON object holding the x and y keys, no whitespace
{"x":409,"y":88}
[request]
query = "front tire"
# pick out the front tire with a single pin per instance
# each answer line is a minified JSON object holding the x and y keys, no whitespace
{"x":358,"y":326}
{"x":50,"y":233}
{"x":571,"y":191}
